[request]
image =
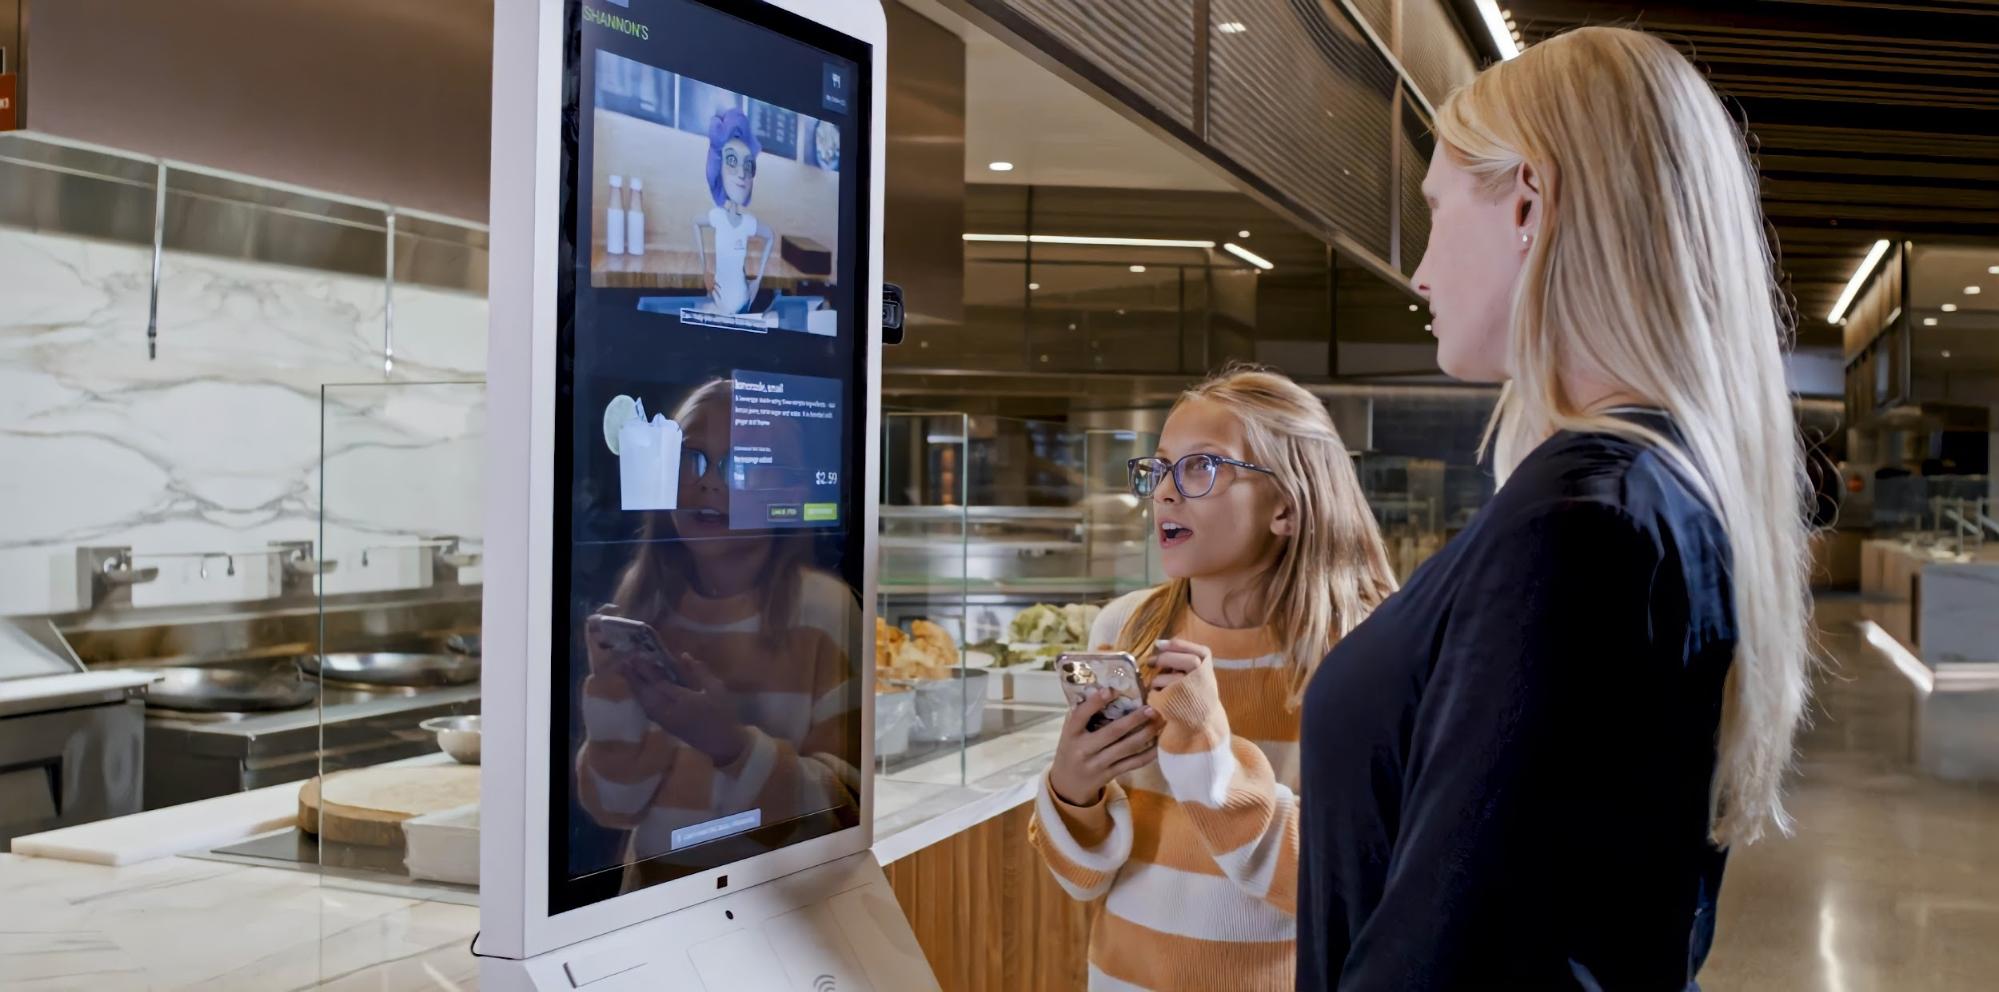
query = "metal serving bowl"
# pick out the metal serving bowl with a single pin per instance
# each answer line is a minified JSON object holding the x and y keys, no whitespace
{"x":393,"y":668}
{"x":457,"y":736}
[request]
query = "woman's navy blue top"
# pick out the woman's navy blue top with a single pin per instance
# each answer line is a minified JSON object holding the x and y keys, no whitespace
{"x":1506,"y":769}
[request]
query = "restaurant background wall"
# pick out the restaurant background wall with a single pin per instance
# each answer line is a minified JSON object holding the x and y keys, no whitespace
{"x":215,"y":445}
{"x":183,"y":414}
{"x":381,"y":99}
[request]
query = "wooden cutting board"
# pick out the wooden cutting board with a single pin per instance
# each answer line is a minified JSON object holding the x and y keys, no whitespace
{"x":368,"y":805}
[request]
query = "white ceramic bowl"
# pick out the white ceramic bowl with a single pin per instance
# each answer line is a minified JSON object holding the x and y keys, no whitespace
{"x":457,"y":736}
{"x":950,"y":709}
{"x":894,"y":713}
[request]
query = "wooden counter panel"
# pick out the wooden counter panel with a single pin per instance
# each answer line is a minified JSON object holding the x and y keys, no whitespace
{"x":988,"y":914}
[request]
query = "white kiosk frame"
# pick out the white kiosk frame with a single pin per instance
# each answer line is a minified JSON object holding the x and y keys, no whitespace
{"x":795,"y":896}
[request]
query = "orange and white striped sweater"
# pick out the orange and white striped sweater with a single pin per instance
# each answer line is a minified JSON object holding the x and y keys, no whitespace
{"x":1198,"y":852}
{"x":792,"y":691}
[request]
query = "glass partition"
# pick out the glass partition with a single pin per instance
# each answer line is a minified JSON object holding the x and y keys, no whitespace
{"x":395,"y":799}
{"x":930,"y":694}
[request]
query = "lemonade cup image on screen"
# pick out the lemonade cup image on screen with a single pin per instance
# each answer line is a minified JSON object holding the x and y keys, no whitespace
{"x":649,"y":452}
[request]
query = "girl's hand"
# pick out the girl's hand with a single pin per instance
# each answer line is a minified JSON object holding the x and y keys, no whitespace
{"x":1085,"y":760}
{"x":1173,"y":661}
{"x":700,"y":712}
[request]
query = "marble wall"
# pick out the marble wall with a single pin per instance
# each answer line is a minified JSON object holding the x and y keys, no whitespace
{"x":215,"y":445}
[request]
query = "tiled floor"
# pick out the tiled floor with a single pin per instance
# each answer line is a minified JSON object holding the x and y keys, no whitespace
{"x":1892,"y":881}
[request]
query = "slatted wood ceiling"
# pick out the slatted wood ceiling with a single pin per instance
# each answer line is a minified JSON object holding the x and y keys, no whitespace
{"x":1874,"y":118}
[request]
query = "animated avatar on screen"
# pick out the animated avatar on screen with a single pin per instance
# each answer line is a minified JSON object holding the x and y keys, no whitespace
{"x":732,"y":176}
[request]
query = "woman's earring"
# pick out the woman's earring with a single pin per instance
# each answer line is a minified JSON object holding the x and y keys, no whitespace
{"x":1526,"y":238}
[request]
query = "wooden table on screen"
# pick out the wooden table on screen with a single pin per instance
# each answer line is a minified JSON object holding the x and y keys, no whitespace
{"x":680,"y":269}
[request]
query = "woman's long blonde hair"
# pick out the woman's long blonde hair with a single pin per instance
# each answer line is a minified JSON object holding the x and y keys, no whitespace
{"x":1650,"y":270}
{"x":1333,"y":571}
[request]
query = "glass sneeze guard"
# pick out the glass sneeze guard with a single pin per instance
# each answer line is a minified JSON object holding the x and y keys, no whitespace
{"x":394,"y":806}
{"x":1003,"y":536}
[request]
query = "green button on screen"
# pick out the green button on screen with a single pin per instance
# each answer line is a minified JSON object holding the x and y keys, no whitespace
{"x":821,"y":512}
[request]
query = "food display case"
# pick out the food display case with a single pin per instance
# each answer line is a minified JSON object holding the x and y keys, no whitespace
{"x":1408,"y":496}
{"x":1001,"y":539}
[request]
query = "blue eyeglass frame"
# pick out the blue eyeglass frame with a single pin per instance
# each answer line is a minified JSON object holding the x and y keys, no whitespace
{"x":1174,"y":468}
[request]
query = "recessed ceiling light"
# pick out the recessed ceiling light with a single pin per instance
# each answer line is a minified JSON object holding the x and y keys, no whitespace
{"x":1138,"y":268}
{"x":1992,"y":270}
{"x":1950,"y":308}
{"x":1001,"y":166}
{"x":1232,"y":27}
{"x":1972,"y":291}
{"x":1242,"y":234}
{"x":1426,"y":327}
{"x":1946,"y":353}
{"x":1929,"y":322}
{"x":1033,"y":286}
{"x":1412,"y":308}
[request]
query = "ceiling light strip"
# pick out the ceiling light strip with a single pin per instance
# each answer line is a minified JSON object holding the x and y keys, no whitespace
{"x":1067,"y":239}
{"x":1859,"y":278}
{"x":1248,"y":256}
{"x":1495,"y":25}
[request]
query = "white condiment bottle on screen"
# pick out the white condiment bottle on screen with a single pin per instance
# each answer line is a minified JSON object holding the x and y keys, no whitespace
{"x":635,"y":220}
{"x":614,"y":218}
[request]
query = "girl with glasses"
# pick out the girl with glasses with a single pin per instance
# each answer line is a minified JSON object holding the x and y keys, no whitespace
{"x":732,"y":176}
{"x":1185,"y":813}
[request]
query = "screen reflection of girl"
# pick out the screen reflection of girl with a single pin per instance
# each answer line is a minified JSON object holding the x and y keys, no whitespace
{"x":732,"y":178}
{"x":759,"y":709}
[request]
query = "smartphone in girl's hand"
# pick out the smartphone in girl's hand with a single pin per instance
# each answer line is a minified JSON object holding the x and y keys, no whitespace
{"x":632,"y":639}
{"x":1081,"y":671}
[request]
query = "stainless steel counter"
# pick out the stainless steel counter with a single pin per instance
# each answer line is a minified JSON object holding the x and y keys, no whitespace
{"x":192,"y":756}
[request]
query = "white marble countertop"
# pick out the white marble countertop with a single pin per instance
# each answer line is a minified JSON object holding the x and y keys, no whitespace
{"x":187,"y":923}
{"x":178,"y":923}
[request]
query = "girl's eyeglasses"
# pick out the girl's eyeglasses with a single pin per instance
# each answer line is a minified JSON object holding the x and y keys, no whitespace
{"x":1193,"y":475}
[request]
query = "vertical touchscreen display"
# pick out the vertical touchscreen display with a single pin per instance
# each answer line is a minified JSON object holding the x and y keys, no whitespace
{"x":710,"y":413}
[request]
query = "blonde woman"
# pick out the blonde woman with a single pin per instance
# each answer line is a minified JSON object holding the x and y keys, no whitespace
{"x":1523,"y":771}
{"x":1186,"y":812}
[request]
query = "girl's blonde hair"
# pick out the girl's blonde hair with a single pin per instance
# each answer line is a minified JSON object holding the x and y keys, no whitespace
{"x":1650,"y":270}
{"x":1333,"y":571}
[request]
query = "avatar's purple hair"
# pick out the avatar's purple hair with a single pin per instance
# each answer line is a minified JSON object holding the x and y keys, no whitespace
{"x":727,"y":125}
